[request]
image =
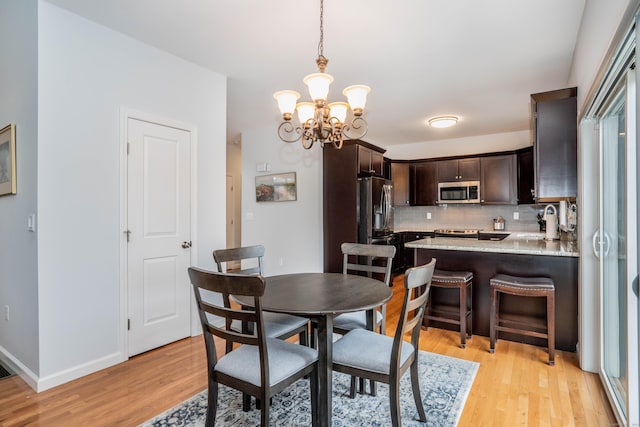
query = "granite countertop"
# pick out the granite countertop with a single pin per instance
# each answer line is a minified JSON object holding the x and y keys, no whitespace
{"x":516,"y":243}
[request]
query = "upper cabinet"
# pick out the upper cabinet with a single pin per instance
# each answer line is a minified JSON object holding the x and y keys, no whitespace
{"x":526,"y":183}
{"x":467,"y":169}
{"x":370,"y":162}
{"x":424,"y":183}
{"x":400,"y":178}
{"x":498,"y":180}
{"x":555,"y":134}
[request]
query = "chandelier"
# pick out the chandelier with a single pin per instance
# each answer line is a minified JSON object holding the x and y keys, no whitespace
{"x":319,"y":121}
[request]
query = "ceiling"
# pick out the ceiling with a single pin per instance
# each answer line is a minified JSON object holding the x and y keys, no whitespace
{"x":479,"y":60}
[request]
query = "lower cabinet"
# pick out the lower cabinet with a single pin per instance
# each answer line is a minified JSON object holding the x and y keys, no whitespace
{"x":484,"y":265}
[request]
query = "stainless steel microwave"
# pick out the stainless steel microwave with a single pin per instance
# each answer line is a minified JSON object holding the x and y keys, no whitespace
{"x":459,"y":192}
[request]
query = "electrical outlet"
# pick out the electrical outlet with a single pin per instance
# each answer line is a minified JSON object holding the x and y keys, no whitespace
{"x":516,"y":215}
{"x":281,"y":261}
{"x":6,"y":313}
{"x":428,"y":215}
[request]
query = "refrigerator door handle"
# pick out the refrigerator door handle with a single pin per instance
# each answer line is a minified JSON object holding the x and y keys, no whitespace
{"x":387,"y":206}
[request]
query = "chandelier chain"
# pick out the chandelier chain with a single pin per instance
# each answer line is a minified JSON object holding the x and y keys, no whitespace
{"x":321,"y":44}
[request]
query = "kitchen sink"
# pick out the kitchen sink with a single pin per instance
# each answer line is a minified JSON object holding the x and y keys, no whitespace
{"x":488,"y":235}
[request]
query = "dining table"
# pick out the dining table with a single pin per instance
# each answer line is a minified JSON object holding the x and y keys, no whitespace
{"x":321,"y":297}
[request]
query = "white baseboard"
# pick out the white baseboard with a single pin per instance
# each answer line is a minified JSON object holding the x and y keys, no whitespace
{"x":27,"y":375}
{"x":50,"y":381}
{"x":44,"y":383}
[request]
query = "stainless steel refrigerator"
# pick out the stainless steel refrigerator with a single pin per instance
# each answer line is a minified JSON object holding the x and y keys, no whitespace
{"x":375,"y":212}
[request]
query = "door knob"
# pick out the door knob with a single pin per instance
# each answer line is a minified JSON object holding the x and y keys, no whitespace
{"x":186,"y":245}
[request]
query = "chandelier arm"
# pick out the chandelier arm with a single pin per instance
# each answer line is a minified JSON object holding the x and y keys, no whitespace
{"x":288,"y":132}
{"x":356,"y":129}
{"x":309,"y":135}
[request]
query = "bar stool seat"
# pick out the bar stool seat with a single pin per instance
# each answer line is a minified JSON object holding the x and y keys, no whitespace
{"x":460,"y":315}
{"x":526,"y":287}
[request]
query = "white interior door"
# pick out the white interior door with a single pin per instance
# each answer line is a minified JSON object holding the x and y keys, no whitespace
{"x":158,"y":223}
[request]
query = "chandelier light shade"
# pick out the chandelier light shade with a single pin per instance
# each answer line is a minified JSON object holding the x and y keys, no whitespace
{"x":287,"y":101}
{"x":318,"y":120}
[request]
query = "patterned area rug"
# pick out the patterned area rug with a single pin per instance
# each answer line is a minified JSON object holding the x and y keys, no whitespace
{"x":444,"y":382}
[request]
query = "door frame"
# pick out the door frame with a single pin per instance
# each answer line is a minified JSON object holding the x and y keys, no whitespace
{"x":127,"y":113}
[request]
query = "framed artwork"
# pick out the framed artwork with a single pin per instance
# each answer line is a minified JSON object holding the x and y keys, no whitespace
{"x":280,"y":187}
{"x":8,"y":160}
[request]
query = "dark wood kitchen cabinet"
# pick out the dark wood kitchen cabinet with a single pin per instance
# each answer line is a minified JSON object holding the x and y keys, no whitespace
{"x":340,"y":172}
{"x":526,"y":183}
{"x":400,"y":177}
{"x":484,"y":265}
{"x":498,"y":180}
{"x":555,"y":136}
{"x":370,"y":162}
{"x":424,"y":183}
{"x":467,"y":169}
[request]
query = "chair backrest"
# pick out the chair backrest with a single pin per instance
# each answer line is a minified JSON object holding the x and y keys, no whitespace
{"x":221,"y":256}
{"x":360,"y":257}
{"x":413,"y":306}
{"x":229,"y":284}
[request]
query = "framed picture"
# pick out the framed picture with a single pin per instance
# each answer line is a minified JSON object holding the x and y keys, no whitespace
{"x":280,"y":187}
{"x":8,"y":160}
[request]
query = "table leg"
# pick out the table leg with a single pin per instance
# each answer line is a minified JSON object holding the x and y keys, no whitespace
{"x":325,"y":371}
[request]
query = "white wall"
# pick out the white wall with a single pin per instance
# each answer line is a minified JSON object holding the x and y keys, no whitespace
{"x":460,"y":146}
{"x":18,"y":247}
{"x":600,"y":21}
{"x":86,"y":74}
{"x":290,"y":231}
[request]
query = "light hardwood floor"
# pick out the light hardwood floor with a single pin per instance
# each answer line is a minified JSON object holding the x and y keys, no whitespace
{"x":514,"y":386}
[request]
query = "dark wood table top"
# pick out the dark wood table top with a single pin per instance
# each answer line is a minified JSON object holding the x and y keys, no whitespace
{"x":320,"y":293}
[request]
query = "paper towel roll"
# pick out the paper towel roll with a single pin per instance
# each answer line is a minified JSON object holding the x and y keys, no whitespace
{"x":552,"y":227}
{"x":562,"y":214}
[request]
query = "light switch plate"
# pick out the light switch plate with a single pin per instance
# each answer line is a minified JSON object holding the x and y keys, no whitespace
{"x":31,"y":222}
{"x":428,"y":215}
{"x":516,"y":215}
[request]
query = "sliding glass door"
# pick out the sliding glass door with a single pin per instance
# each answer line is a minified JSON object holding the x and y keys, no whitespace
{"x":616,"y":245}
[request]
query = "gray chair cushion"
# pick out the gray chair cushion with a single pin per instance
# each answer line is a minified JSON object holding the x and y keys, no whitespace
{"x":284,"y":359}
{"x":368,"y":350}
{"x":355,"y":320}
{"x":276,"y":324}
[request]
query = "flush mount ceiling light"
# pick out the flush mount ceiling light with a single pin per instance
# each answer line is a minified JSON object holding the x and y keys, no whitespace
{"x":319,"y":121}
{"x":443,"y":121}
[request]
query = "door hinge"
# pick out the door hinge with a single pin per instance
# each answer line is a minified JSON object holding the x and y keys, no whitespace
{"x":128,"y":148}
{"x":128,"y":233}
{"x":128,"y":324}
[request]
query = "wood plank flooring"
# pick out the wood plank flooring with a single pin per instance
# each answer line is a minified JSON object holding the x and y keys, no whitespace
{"x":514,"y":386}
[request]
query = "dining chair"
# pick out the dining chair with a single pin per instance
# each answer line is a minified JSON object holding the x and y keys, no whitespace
{"x":366,"y":354}
{"x":277,"y":325}
{"x":376,"y":261}
{"x":261,"y":366}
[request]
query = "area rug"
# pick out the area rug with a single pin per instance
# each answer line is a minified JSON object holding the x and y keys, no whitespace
{"x":444,"y":383}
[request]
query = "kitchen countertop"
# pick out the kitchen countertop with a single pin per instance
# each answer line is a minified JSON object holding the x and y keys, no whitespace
{"x":528,"y":243}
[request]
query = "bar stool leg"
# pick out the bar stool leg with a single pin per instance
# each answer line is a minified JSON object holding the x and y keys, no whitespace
{"x":463,"y":316}
{"x":471,"y":310}
{"x":551,"y":326}
{"x":493,"y":320}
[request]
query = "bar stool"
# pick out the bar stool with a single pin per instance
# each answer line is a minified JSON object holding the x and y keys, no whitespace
{"x":526,"y":287}
{"x":460,"y":315}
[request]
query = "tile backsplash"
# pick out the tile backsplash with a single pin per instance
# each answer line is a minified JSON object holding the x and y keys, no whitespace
{"x":466,"y":217}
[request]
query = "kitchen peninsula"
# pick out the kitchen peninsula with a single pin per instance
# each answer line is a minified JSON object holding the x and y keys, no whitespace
{"x":519,"y":254}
